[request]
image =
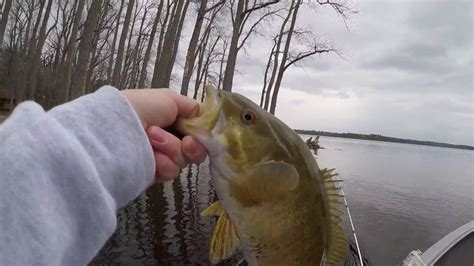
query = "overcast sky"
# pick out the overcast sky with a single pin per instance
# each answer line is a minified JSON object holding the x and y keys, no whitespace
{"x":406,"y":72}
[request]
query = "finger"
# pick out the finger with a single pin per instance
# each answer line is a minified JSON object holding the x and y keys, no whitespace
{"x":187,"y":107}
{"x":167,"y":144}
{"x":166,"y":169}
{"x":193,"y":150}
{"x":153,"y":106}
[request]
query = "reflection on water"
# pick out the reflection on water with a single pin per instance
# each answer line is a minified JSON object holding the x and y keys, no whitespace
{"x":402,"y":197}
{"x":163,"y":226}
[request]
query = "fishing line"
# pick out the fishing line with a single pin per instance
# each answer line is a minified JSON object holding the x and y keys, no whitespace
{"x":314,"y":145}
{"x":352,"y":225}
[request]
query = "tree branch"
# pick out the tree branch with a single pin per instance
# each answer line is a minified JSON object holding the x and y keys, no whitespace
{"x":231,"y":7}
{"x":252,"y":29}
{"x":341,"y":9}
{"x":214,"y":6}
{"x":257,"y":7}
{"x":302,"y":56}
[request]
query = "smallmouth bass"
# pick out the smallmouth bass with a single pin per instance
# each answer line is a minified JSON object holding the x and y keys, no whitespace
{"x":275,"y":205}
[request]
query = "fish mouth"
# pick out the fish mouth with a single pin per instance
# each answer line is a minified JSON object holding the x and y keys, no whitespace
{"x":208,"y":115}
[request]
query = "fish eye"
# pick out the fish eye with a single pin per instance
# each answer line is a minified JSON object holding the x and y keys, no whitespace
{"x":249,"y":117}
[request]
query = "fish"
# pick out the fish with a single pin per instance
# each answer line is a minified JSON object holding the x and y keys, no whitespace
{"x":276,"y":207}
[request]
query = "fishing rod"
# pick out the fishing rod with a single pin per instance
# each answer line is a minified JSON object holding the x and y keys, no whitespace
{"x":314,"y":146}
{"x":352,"y":225}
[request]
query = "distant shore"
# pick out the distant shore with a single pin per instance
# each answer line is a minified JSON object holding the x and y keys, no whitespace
{"x":382,"y":138}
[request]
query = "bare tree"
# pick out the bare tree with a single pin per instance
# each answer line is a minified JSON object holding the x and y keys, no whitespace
{"x":287,"y":57}
{"x":27,"y":50}
{"x":129,"y":47}
{"x":29,"y":12}
{"x":164,"y":66}
{"x":120,"y":52}
{"x":275,"y":54}
{"x":114,"y":42}
{"x":269,"y":68}
{"x":221,"y":64}
{"x":33,"y":75}
{"x":135,"y":57}
{"x":191,"y":53}
{"x":146,"y":58}
{"x":4,"y":19}
{"x":205,"y":74}
{"x":71,"y":48}
{"x":55,"y":50}
{"x":105,"y":26}
{"x":240,"y":17}
{"x":79,"y":79}
{"x":170,"y":9}
{"x":295,"y":7}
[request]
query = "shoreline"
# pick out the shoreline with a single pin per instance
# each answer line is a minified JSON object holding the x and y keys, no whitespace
{"x":375,"y":137}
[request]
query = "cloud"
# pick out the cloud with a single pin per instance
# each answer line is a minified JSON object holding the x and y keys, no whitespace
{"x":406,"y":71}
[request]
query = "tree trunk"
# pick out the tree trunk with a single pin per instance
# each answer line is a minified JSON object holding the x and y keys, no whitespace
{"x":29,"y":19}
{"x":169,"y":69}
{"x":71,"y":47}
{"x":78,"y":84}
{"x":200,"y":64}
{"x":121,"y":48}
{"x":276,"y":57}
{"x":160,"y":74}
{"x":265,"y":74}
{"x":233,"y":50}
{"x":33,"y":39}
{"x":28,"y":51}
{"x":281,"y":70}
{"x":4,"y":19}
{"x":208,"y":62}
{"x":136,"y":53}
{"x":33,"y":76}
{"x":146,"y":58}
{"x":128,"y":52}
{"x":221,"y":67}
{"x":164,"y":30}
{"x":95,"y":49}
{"x":191,"y":54}
{"x":114,"y":42}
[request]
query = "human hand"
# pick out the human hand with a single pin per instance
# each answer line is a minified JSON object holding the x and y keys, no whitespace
{"x":158,"y":109}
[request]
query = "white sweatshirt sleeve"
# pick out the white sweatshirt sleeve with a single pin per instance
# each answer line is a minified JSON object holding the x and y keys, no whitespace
{"x":64,"y":173}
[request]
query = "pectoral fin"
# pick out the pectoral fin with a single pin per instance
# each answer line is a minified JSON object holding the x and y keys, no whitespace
{"x":264,"y":181}
{"x":225,"y":241}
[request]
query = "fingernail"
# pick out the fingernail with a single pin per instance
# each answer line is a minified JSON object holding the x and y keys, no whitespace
{"x":157,"y":134}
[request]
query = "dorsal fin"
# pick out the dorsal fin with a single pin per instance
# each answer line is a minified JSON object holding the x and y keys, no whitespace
{"x":336,"y":245}
{"x":225,"y":241}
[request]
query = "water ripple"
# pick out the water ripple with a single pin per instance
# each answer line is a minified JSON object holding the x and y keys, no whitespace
{"x":402,"y":197}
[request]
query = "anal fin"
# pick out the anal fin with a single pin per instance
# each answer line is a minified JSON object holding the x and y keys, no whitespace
{"x":224,"y":242}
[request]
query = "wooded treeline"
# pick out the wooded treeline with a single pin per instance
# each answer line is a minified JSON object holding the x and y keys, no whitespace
{"x":53,"y":51}
{"x":377,"y":137}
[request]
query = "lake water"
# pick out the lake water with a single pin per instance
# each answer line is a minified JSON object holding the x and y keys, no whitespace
{"x":401,"y":196}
